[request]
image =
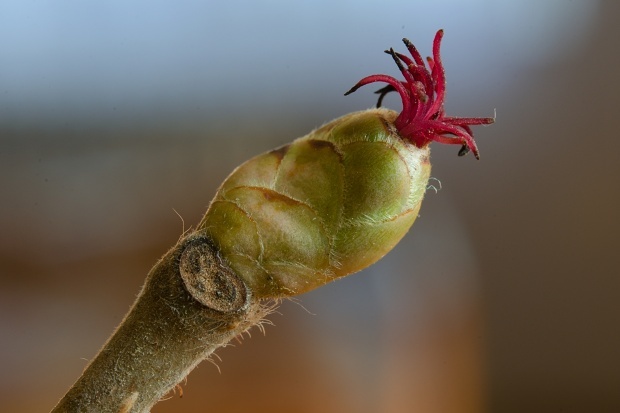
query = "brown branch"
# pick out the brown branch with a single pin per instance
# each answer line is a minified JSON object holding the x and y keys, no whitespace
{"x":190,"y":305}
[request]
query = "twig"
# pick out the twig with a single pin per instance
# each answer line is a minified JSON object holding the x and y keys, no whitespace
{"x":190,"y":305}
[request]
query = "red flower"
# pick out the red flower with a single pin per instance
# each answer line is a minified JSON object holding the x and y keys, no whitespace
{"x":422,"y":119}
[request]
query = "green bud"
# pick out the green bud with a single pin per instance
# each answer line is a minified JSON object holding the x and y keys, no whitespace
{"x":325,"y":206}
{"x":337,"y":200}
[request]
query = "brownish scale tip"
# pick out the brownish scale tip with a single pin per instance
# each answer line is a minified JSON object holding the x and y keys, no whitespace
{"x":422,"y":119}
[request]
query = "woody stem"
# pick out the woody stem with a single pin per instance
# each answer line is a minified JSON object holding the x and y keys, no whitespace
{"x":167,"y":332}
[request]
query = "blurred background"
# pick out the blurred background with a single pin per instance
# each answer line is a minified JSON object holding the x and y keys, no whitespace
{"x":117,"y":119}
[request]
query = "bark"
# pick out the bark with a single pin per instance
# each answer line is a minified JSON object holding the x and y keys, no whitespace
{"x":191,"y":304}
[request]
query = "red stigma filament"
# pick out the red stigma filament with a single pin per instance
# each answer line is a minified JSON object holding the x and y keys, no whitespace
{"x":422,"y":119}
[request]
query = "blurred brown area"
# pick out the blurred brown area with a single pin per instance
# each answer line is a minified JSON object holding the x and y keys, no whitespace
{"x":505,"y":297}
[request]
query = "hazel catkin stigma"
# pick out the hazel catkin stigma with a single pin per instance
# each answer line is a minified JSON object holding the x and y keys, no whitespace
{"x":338,"y":199}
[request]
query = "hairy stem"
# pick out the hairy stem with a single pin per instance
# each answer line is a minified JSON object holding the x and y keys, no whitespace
{"x":190,"y":305}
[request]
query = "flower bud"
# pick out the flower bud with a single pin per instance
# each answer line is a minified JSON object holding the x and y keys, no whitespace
{"x":325,"y":206}
{"x":337,"y":200}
